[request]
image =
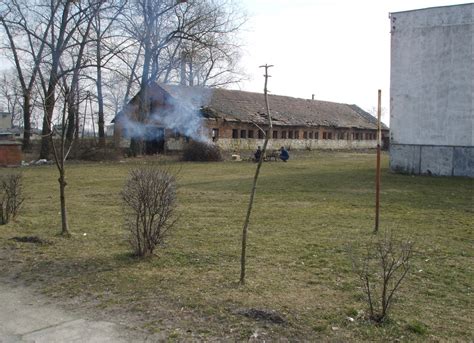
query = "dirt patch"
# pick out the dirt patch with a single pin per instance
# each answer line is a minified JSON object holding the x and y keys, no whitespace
{"x":29,"y":239}
{"x":263,"y":315}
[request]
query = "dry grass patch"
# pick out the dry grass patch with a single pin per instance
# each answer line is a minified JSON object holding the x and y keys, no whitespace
{"x":306,"y":212}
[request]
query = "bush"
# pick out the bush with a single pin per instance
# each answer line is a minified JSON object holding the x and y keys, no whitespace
{"x":149,"y":196}
{"x":11,"y":197}
{"x":201,"y":152}
{"x":381,"y":270}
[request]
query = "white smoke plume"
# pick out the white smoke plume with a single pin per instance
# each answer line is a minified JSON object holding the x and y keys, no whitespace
{"x":180,"y":113}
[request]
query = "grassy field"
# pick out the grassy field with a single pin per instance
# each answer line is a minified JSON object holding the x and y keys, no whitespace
{"x":306,"y":213}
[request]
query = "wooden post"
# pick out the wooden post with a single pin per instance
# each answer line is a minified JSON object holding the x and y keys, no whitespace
{"x":377,"y":172}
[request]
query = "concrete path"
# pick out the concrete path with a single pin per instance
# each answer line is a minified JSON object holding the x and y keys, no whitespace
{"x":26,"y":318}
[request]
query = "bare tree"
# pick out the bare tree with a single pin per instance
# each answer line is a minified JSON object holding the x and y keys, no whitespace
{"x":255,"y":179}
{"x":61,"y":147}
{"x":149,"y":196}
{"x":381,"y":270}
{"x":11,"y":97}
{"x":107,"y":46}
{"x":26,"y":40}
{"x":162,"y":29}
{"x":67,"y":18}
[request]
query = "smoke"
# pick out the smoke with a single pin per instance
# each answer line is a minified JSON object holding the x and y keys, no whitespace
{"x":180,"y":113}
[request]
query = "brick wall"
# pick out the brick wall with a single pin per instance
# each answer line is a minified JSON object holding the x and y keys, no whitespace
{"x":10,"y":154}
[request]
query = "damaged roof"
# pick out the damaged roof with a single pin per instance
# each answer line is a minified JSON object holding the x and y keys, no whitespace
{"x":235,"y":105}
{"x":248,"y":107}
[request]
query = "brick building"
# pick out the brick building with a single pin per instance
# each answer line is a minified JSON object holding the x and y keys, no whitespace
{"x":235,"y":120}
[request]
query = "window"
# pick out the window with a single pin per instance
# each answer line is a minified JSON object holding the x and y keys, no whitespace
{"x":260,"y":134}
{"x":311,"y":135}
{"x":297,"y":134}
{"x":325,"y":135}
{"x":305,"y":134}
{"x":275,"y":134}
{"x":290,"y":134}
{"x":357,"y":136}
{"x":235,"y":133}
{"x":283,"y":134}
{"x":215,"y":134}
{"x":243,"y":134}
{"x":329,"y":135}
{"x":251,"y":134}
{"x":316,"y":135}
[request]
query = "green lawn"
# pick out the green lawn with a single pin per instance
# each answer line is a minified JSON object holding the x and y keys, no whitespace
{"x":306,"y":213}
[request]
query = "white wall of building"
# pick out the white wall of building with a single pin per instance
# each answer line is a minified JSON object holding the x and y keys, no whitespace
{"x":431,"y":89}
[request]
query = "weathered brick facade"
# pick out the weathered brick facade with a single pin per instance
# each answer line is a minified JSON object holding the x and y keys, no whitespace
{"x":235,"y":121}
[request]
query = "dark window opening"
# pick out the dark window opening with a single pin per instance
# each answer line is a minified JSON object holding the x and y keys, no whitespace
{"x":329,"y":135}
{"x":283,"y":134}
{"x":235,"y":133}
{"x":325,"y":135}
{"x":243,"y":134}
{"x":305,"y":134}
{"x":275,"y":134}
{"x":290,"y":134}
{"x":154,"y":140}
{"x":311,"y":135}
{"x":297,"y":134}
{"x":251,"y":134}
{"x":260,"y":134}
{"x":316,"y":135}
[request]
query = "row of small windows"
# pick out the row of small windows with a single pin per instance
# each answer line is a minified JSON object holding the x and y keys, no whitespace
{"x":295,"y":134}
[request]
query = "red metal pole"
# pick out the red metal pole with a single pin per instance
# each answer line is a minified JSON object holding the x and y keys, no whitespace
{"x":377,"y":172}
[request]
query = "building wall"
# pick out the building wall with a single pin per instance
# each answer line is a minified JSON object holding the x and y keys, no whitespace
{"x":432,"y":73}
{"x":5,"y":120}
{"x":10,"y":153}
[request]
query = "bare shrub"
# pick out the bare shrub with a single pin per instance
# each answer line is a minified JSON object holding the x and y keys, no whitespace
{"x":201,"y":152}
{"x":381,"y":268}
{"x":149,"y":196}
{"x":11,"y":197}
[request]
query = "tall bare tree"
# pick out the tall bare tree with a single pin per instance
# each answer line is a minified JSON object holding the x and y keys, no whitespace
{"x":26,"y":40}
{"x":255,"y":180}
{"x":10,"y":93}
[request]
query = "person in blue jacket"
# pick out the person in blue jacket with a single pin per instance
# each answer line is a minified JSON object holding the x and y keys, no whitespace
{"x":284,"y":155}
{"x":258,"y":154}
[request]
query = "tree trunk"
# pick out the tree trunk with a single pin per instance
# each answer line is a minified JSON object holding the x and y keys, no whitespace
{"x":62,"y":194}
{"x":137,"y":145}
{"x":71,"y":112}
{"x":100,"y":99}
{"x":48,"y":115}
{"x":26,"y":146}
{"x":254,"y":185}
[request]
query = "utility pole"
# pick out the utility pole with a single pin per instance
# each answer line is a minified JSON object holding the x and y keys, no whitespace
{"x":377,"y":172}
{"x":255,"y":179}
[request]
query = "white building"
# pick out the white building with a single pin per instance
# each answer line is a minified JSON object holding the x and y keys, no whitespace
{"x":431,"y":90}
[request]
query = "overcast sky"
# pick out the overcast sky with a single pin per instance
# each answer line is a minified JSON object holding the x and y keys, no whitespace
{"x":338,"y":50}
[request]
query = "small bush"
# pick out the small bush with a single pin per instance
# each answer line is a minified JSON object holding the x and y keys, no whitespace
{"x":381,"y":270}
{"x":11,"y":197}
{"x":201,"y":152}
{"x":149,"y":196}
